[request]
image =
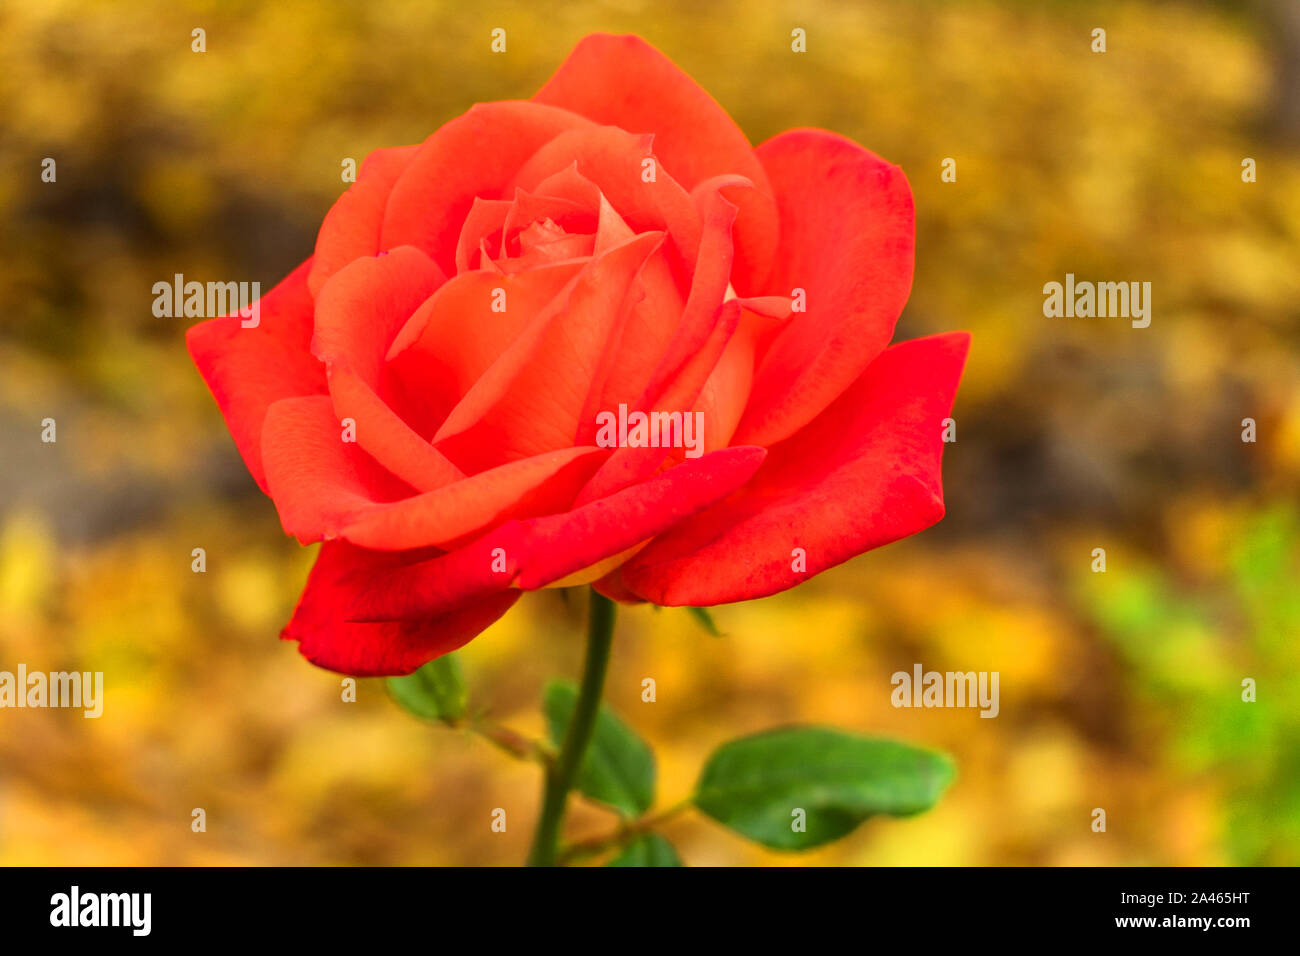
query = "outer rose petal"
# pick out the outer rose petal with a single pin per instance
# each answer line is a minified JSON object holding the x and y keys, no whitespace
{"x":327,"y":488}
{"x":358,"y":314}
{"x":249,"y":369}
{"x":326,"y":638}
{"x":562,"y":545}
{"x":536,"y":552}
{"x":317,"y":480}
{"x":351,"y":227}
{"x":539,"y":485}
{"x":847,"y":236}
{"x":624,"y":81}
{"x":865,"y":473}
{"x":612,"y":587}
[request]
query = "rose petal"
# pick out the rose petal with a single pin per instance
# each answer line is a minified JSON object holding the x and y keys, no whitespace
{"x":722,"y":399}
{"x":648,"y":328}
{"x":612,"y":587}
{"x":624,"y":81}
{"x":542,"y":484}
{"x":248,"y":370}
{"x":453,"y":338}
{"x":653,"y":318}
{"x":568,"y":215}
{"x":865,"y":473}
{"x":326,"y":488}
{"x":317,"y":480}
{"x":708,"y":287}
{"x":612,"y":160}
{"x":570,"y":184}
{"x":435,"y":586}
{"x":847,"y":239}
{"x":358,"y":313}
{"x":536,"y":552}
{"x":473,"y":156}
{"x":326,"y":638}
{"x":351,"y":227}
{"x":531,"y":400}
{"x":485,"y":219}
{"x":691,"y":354}
{"x":536,"y":252}
{"x":630,"y":464}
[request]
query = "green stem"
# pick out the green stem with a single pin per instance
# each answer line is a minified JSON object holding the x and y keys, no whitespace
{"x":510,"y":741}
{"x":624,"y":835}
{"x":561,"y":775}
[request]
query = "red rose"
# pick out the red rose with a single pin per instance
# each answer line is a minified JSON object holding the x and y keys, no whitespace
{"x":431,"y":394}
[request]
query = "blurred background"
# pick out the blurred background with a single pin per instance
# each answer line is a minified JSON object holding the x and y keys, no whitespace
{"x":1119,"y":690}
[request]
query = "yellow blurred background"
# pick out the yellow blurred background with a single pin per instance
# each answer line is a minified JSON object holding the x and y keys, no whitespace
{"x":1119,"y":690}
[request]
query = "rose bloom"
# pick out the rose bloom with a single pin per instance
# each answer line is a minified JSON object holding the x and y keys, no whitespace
{"x":424,"y":394}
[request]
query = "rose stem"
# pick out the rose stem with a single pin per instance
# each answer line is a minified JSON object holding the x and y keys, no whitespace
{"x":560,"y":775}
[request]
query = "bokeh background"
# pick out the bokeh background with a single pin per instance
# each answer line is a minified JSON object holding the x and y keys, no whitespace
{"x":1119,"y":690}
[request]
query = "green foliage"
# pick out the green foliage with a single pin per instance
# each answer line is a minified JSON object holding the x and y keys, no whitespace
{"x":649,"y":850}
{"x":619,"y":769}
{"x":706,"y":620}
{"x":1186,"y":658}
{"x":434,"y":692}
{"x":757,"y":785}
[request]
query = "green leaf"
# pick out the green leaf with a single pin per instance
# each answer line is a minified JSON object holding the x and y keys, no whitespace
{"x":755,"y":785}
{"x":649,"y":850}
{"x":706,"y":620}
{"x":619,"y":769}
{"x":435,"y":692}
